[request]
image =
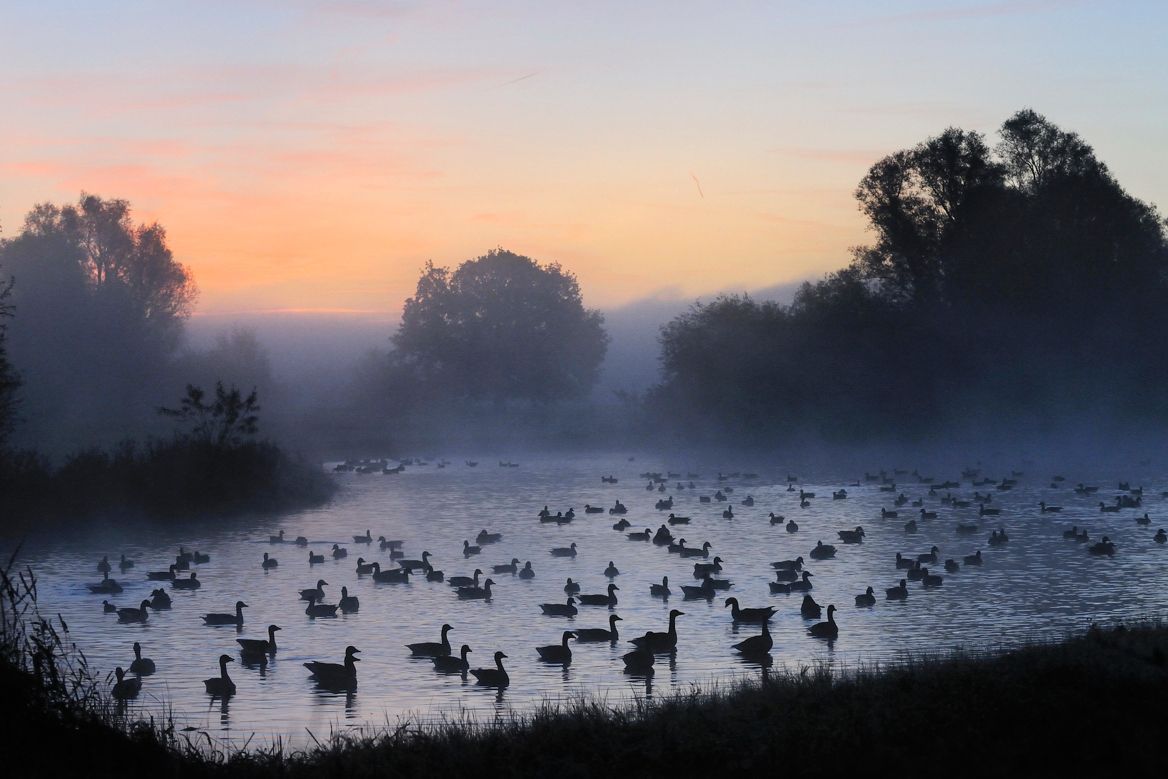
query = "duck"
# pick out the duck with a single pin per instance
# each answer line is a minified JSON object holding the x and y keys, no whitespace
{"x":493,"y":677}
{"x":476,"y":593}
{"x":790,"y":565}
{"x":390,"y":545}
{"x":590,"y":509}
{"x":902,"y":562}
{"x":1144,"y":520}
{"x":365,"y":539}
{"x":952,"y":566}
{"x":899,"y":592}
{"x":916,"y":572}
{"x":108,"y":608}
{"x":571,"y":587}
{"x":392,"y":576}
{"x":1103,"y":547}
{"x":269,"y":562}
{"x":931,"y":579}
{"x":809,"y":608}
{"x":449,"y":664}
{"x":829,"y":629}
{"x":159,"y":600}
{"x":660,"y":590}
{"x":190,"y":583}
{"x":167,"y":575}
{"x":363,"y":568}
{"x":776,"y":519}
{"x":140,"y":614}
{"x":972,"y":559}
{"x":748,"y":615}
{"x":703,"y":551}
{"x":349,"y":604}
{"x":314,"y":593}
{"x":415,"y":565}
{"x":125,"y":688}
{"x":143,"y":666}
{"x":638,"y":536}
{"x":227,"y":619}
{"x":779,"y":587}
{"x":557,"y":653}
{"x":676,"y":520}
{"x":623,"y":524}
{"x":702,"y":570}
{"x":600,"y":634}
{"x":852,"y":536}
{"x":314,"y":609}
{"x":867,"y":598}
{"x":660,"y":642}
{"x":527,"y":572}
{"x":276,"y":539}
{"x":704,"y":590}
{"x":259,"y":646}
{"x":484,"y":538}
{"x":677,"y":547}
{"x":105,"y":586}
{"x":565,"y":551}
{"x":1160,"y":537}
{"x":822,"y":551}
{"x":468,"y":549}
{"x":339,"y":553}
{"x":803,"y":584}
{"x":930,"y":556}
{"x":221,"y":686}
{"x":511,"y":567}
{"x":928,"y":514}
{"x":567,"y":609}
{"x":792,"y":527}
{"x":600,"y":600}
{"x":611,"y":570}
{"x":757,"y":645}
{"x":315,"y":559}
{"x":466,"y":581}
{"x":342,"y":675}
{"x":432,"y":575}
{"x":432,"y":648}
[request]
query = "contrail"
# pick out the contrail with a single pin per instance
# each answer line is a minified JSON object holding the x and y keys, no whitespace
{"x":695,"y":178}
{"x":521,"y":78}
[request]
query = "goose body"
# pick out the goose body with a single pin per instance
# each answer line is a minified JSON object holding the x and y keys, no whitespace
{"x":466,"y":581}
{"x":140,"y":614}
{"x":641,"y":659}
{"x":1160,"y":537}
{"x":259,"y":646}
{"x":484,"y":538}
{"x":363,"y":568}
{"x":339,"y":675}
{"x":190,"y":583}
{"x":449,"y":664}
{"x":468,"y":549}
{"x":622,"y":524}
{"x":757,"y":645}
{"x":108,"y":608}
{"x":930,"y":556}
{"x":804,"y":583}
{"x":899,"y":592}
{"x":314,"y":593}
{"x":809,"y":608}
{"x":866,"y":599}
{"x":143,"y":666}
{"x":527,"y":572}
{"x":493,"y":677}
{"x":415,"y":565}
{"x":269,"y":562}
{"x":676,"y":520}
{"x":660,"y":642}
{"x":158,"y":576}
{"x":829,"y":629}
{"x":704,"y":570}
{"x":314,"y":609}
{"x":600,"y":600}
{"x":276,"y":539}
{"x":103,"y":565}
{"x":600,"y":634}
{"x":749,"y":615}
{"x":703,"y":551}
{"x":704,"y":590}
{"x":392,"y":576}
{"x":1049,"y":509}
{"x":638,"y":536}
{"x":432,"y":575}
{"x":365,"y":539}
{"x":572,"y":588}
{"x":565,"y":551}
{"x":125,"y":688}
{"x":931,"y":579}
{"x":106,"y":586}
{"x":511,"y":567}
{"x":432,"y":648}
{"x":301,"y":541}
{"x":852,"y":536}
{"x":227,"y":619}
{"x":221,"y":686}
{"x":973,"y":559}
{"x":822,"y":551}
{"x":315,"y":559}
{"x":476,"y":593}
{"x":611,"y":570}
{"x":349,"y":604}
{"x":788,"y":565}
{"x":159,"y":600}
{"x":557,"y":653}
{"x":952,"y":566}
{"x":339,"y":553}
{"x":792,"y":527}
{"x":661,"y":590}
{"x":567,"y":609}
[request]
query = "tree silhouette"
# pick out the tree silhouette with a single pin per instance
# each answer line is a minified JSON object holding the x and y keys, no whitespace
{"x":9,"y":381}
{"x":224,"y":422}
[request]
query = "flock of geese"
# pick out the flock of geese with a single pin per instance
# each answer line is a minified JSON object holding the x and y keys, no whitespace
{"x":791,"y":576}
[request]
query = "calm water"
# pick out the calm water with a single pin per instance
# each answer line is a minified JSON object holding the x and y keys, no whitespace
{"x":1038,"y":586}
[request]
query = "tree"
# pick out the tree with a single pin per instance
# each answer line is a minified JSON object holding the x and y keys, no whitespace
{"x":222,"y":423}
{"x":500,"y":327}
{"x":9,"y":381}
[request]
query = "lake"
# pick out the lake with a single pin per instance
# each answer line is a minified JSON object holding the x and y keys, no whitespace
{"x":1037,"y":587}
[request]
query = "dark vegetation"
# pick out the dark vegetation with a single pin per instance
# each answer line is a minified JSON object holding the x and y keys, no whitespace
{"x":1006,"y":287}
{"x":1088,"y":704}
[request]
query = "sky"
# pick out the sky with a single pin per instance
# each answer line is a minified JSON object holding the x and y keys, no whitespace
{"x":312,"y":156}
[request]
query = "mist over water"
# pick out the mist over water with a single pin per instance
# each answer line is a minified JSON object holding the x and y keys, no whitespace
{"x":1037,"y":587}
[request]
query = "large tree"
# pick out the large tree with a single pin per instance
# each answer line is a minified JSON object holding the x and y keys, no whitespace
{"x":9,"y":381}
{"x":500,"y":327}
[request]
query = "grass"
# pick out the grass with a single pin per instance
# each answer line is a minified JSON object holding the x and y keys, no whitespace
{"x":1093,"y":702}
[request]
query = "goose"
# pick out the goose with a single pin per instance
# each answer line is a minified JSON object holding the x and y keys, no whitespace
{"x":365,"y":539}
{"x":183,"y":555}
{"x":190,"y":583}
{"x":822,"y":551}
{"x":902,"y":562}
{"x":661,"y":590}
{"x":728,"y":513}
{"x":103,"y":565}
{"x":125,"y":689}
{"x":227,"y":619}
{"x":931,"y":579}
{"x":748,"y":615}
{"x":143,"y":666}
{"x":125,"y":564}
{"x":339,"y":553}
{"x":1104,"y":547}
{"x":930,"y":556}
{"x":565,"y":551}
{"x":866,"y":599}
{"x":676,"y":520}
{"x":276,"y":539}
{"x":140,"y":614}
{"x":108,"y":608}
{"x":259,"y":646}
{"x":852,"y":536}
{"x":493,"y":677}
{"x":703,"y":590}
{"x":886,"y":514}
{"x":527,"y":572}
{"x":803,"y":584}
{"x":757,"y":645}
{"x":590,"y":509}
{"x":623,"y":524}
{"x":967,"y":529}
{"x":641,"y":659}
{"x":484,"y":538}
{"x":432,"y":648}
{"x":363,"y":568}
{"x":349,"y":604}
{"x":159,"y":600}
{"x":567,"y":609}
{"x":466,"y":581}
{"x":1049,"y":509}
{"x":899,"y":592}
{"x":105,"y":586}
{"x":660,"y":642}
{"x":572,"y":587}
{"x":677,"y":548}
{"x":476,"y":593}
{"x":415,"y":565}
{"x":910,"y":526}
{"x":199,"y":558}
{"x":600,"y":600}
{"x":390,"y":545}
{"x":809,"y":608}
{"x":432,"y":575}
{"x":952,"y":566}
{"x":314,"y":609}
{"x":221,"y":685}
{"x":982,"y":511}
{"x":916,"y":572}
{"x":301,"y":541}
{"x":702,"y":570}
{"x":1104,"y":508}
{"x":829,"y":629}
{"x":1144,"y":520}
{"x":928,"y":514}
{"x":792,"y":527}
{"x":998,"y":538}
{"x":269,"y":562}
{"x":839,"y":495}
{"x":972,"y":559}
{"x":448,"y":664}
{"x":637,"y":536}
{"x":557,"y":653}
{"x":703,"y":551}
{"x":343,"y":675}
{"x":468,"y":550}
{"x":789,"y":565}
{"x":158,"y":576}
{"x":1160,"y":536}
{"x":315,"y":559}
{"x":314,"y":593}
{"x":779,"y":587}
{"x":611,"y":570}
{"x":600,"y":634}
{"x":392,"y":576}
{"x":511,"y":567}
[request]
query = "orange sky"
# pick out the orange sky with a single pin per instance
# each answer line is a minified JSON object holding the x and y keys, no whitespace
{"x":309,"y":155}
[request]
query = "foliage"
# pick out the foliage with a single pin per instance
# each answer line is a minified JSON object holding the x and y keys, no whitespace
{"x":9,"y":380}
{"x":225,"y":422}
